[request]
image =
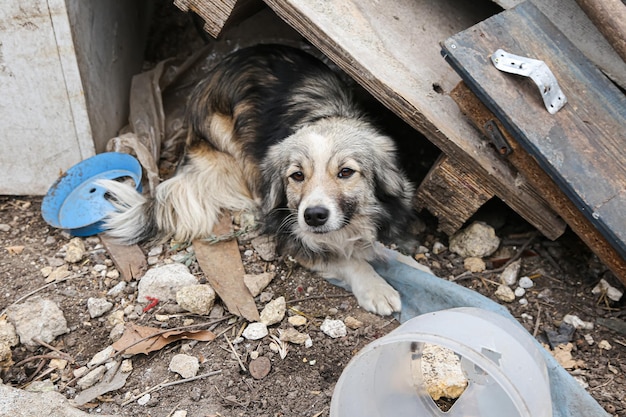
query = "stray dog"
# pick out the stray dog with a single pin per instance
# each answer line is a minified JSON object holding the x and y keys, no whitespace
{"x":272,"y":128}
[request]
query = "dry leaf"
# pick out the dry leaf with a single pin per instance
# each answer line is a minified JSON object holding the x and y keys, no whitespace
{"x":14,"y":250}
{"x":143,"y":339}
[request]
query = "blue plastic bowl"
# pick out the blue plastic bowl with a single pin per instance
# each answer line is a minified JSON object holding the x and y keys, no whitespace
{"x":76,"y":203}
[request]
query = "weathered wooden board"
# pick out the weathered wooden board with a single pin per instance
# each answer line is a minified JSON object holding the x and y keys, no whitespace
{"x":478,"y":113}
{"x":451,"y":194}
{"x":392,"y":49}
{"x":582,"y":146}
{"x":221,"y":263}
{"x":217,"y":15}
{"x":570,"y":18}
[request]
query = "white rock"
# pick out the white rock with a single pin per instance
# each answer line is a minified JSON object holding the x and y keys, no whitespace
{"x":197,"y":299}
{"x":164,"y":281}
{"x":255,"y":331}
{"x":101,"y":357}
{"x":98,"y":306}
{"x":75,"y":250}
{"x":180,"y":413}
{"x":8,"y":336}
{"x":265,"y":246}
{"x":156,"y":251}
{"x":477,"y":240}
{"x":257,"y":282}
{"x":511,"y":273}
{"x":577,"y":322}
{"x":291,"y":335}
{"x":505,"y":293}
{"x":144,"y":399}
{"x":604,"y":344}
{"x":611,"y":292}
{"x":297,"y":320}
{"x":334,"y":328}
{"x":184,"y":365}
{"x":523,"y":301}
{"x":37,"y":318}
{"x":519,"y":292}
{"x":442,"y":372}
{"x":474,"y":264}
{"x":117,"y":289}
{"x":126,"y":366}
{"x":274,"y":311}
{"x":41,"y":386}
{"x":526,"y":283}
{"x":91,"y":378}
{"x":438,"y":248}
{"x":589,"y":339}
{"x":117,"y":332}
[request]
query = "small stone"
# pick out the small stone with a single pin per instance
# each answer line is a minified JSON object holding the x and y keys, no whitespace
{"x":197,"y":299}
{"x":46,"y":271}
{"x":274,"y":311}
{"x":519,"y":292}
{"x":438,"y":248}
{"x":5,"y":227}
{"x":59,"y":364}
{"x":144,"y":399}
{"x":257,"y":282}
{"x":117,"y":332}
{"x":156,"y":251}
{"x":15,"y":250}
{"x":98,"y":306}
{"x":113,"y":274}
{"x":333,"y":328}
{"x":266,"y":296}
{"x":101,"y":357}
{"x":353,"y":323}
{"x":297,"y":320}
{"x":526,"y":283}
{"x":58,"y":274}
{"x":577,"y":322}
{"x":589,"y":339}
{"x":474,"y":264}
{"x":117,"y":289}
{"x":180,"y":413}
{"x":291,"y":335}
{"x":523,"y":301}
{"x":115,"y":318}
{"x":164,"y":281}
{"x":477,"y":240}
{"x":185,"y":365}
{"x":611,"y":292}
{"x":126,"y":366}
{"x":75,"y":250}
{"x":91,"y":378}
{"x":254,"y":354}
{"x":265,"y":246}
{"x":510,"y":273}
{"x":260,"y":367}
{"x":80,"y":372}
{"x":505,"y":293}
{"x":255,"y":331}
{"x":41,"y":386}
{"x":605,"y":345}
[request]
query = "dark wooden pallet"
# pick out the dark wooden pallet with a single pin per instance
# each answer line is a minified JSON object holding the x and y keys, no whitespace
{"x":581,"y":147}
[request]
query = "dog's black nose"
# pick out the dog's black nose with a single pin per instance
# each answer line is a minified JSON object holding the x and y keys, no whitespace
{"x":316,"y":215}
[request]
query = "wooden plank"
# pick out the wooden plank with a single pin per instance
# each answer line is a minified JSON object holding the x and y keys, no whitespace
{"x":610,"y":17}
{"x":478,"y":113}
{"x":581,"y":146}
{"x":452,"y":194}
{"x":219,"y":14}
{"x":578,"y":28}
{"x":130,"y":261}
{"x":222,"y":265}
{"x":392,"y":50}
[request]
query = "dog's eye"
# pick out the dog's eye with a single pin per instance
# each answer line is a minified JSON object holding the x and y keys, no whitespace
{"x":345,"y":173}
{"x":297,"y":176}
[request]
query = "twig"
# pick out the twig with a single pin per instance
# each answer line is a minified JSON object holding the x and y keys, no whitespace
{"x":34,"y":358}
{"x":166,"y":384}
{"x":538,"y":322}
{"x":60,"y":352}
{"x":241,"y":365}
{"x":174,"y":409}
{"x":603,"y":385}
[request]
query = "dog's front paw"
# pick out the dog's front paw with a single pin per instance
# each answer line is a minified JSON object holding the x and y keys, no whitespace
{"x":379,"y":298}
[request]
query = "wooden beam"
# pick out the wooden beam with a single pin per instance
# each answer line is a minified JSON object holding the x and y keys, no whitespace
{"x":478,"y":113}
{"x":451,"y":193}
{"x":219,"y":14}
{"x":609,"y":16}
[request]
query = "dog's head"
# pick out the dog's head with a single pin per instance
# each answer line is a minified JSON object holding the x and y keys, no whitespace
{"x":335,"y":181}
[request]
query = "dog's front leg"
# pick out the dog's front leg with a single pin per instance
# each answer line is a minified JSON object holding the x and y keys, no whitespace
{"x":372,"y":292}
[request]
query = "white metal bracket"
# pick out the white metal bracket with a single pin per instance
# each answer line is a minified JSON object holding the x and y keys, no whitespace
{"x":536,"y":70}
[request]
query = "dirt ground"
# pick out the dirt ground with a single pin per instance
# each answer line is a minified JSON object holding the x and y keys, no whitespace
{"x":301,"y":384}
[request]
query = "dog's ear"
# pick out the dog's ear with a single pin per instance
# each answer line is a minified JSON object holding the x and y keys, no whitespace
{"x":394,"y":193}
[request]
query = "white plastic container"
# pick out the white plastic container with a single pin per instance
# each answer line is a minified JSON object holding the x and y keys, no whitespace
{"x":506,"y":371}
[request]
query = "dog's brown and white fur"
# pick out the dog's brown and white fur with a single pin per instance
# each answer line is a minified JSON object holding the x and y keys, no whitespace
{"x":274,"y":129}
